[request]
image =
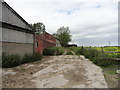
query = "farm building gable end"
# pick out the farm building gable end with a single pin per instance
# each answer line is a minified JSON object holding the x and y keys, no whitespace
{"x":17,"y":34}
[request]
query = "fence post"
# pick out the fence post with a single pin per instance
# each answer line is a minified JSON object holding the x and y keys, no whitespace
{"x":102,"y":48}
{"x":102,"y":55}
{"x":91,"y":53}
{"x":82,"y":50}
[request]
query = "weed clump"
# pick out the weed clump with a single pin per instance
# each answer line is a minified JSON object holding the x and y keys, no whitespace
{"x":51,"y":51}
{"x":15,"y":60}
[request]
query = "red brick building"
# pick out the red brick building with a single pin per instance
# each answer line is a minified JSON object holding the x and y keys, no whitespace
{"x":43,"y":41}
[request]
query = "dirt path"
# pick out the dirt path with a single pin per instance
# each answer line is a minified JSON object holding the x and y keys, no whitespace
{"x":65,"y":71}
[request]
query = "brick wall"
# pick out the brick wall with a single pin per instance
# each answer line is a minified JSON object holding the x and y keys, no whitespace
{"x":44,"y":40}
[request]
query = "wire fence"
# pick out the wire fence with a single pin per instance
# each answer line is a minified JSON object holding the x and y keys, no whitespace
{"x":104,"y":55}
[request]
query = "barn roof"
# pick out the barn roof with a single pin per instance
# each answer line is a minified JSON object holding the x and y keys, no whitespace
{"x":13,"y":11}
{"x":49,"y":34}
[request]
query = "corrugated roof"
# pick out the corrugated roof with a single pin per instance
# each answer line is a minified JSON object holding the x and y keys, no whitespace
{"x":12,"y":10}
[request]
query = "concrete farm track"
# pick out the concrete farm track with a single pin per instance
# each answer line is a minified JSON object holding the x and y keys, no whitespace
{"x":65,"y":71}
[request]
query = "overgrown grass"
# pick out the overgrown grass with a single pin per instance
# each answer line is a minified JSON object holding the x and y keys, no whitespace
{"x":98,"y":58}
{"x":51,"y":51}
{"x":11,"y":60}
{"x":75,"y":49}
{"x":112,"y":72}
{"x":69,"y":52}
{"x":14,"y":60}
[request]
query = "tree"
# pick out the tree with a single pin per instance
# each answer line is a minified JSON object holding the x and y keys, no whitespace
{"x":63,"y":34}
{"x":39,"y":27}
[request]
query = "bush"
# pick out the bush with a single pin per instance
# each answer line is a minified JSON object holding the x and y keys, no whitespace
{"x":36,"y":57}
{"x":69,"y":52}
{"x":61,"y":50}
{"x":14,"y":60}
{"x":26,"y":58}
{"x":75,"y":49}
{"x":51,"y":51}
{"x":10,"y":60}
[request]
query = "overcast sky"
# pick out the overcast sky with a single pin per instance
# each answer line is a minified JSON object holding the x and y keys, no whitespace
{"x":91,"y":22}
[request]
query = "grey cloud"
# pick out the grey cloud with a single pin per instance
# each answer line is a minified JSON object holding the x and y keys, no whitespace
{"x":88,"y":25}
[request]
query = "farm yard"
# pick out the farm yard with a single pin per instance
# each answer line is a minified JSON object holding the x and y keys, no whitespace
{"x":44,"y":54}
{"x":66,"y":68}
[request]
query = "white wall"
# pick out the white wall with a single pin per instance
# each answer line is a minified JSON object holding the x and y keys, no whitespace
{"x":9,"y":35}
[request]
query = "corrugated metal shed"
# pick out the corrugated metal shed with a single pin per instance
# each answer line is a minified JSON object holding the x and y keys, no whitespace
{"x":17,"y":34}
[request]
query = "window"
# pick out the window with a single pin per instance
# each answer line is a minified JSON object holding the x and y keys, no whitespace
{"x":36,"y":44}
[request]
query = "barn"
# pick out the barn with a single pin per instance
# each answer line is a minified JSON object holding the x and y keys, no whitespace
{"x":45,"y":40}
{"x":17,"y":34}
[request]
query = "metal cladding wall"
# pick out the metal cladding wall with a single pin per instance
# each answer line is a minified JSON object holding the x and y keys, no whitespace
{"x":13,"y":36}
{"x":0,"y":45}
{"x":0,"y":29}
{"x":16,"y":42}
{"x":11,"y":17}
{"x":17,"y":34}
{"x":44,"y":41}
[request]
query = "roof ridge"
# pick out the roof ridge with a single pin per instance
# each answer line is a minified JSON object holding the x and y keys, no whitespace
{"x":11,"y":9}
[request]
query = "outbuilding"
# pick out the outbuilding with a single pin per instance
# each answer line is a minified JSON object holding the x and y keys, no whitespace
{"x":17,"y":34}
{"x":45,"y":40}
